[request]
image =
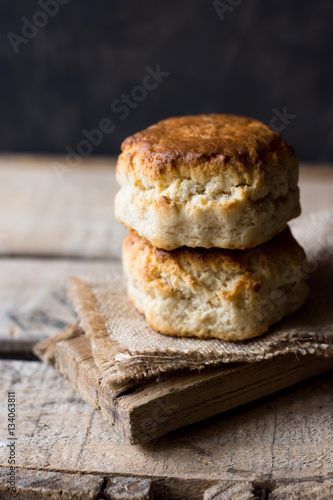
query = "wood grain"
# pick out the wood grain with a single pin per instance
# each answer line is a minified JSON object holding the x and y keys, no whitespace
{"x":72,"y":216}
{"x":307,"y":490}
{"x":282,"y":442}
{"x":128,"y":488}
{"x":227,"y":490}
{"x":144,"y":413}
{"x":48,"y":485}
{"x":33,"y":300}
{"x":246,"y":490}
{"x":316,"y":188}
{"x":282,"y":439}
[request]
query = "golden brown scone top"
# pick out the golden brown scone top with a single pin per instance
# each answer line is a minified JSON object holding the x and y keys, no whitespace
{"x":283,"y":247}
{"x":208,"y":141}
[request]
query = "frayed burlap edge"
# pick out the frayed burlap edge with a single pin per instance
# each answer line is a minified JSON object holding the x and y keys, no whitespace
{"x":93,"y":323}
{"x":128,"y":366}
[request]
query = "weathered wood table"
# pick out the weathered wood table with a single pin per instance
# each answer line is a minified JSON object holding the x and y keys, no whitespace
{"x":53,"y":226}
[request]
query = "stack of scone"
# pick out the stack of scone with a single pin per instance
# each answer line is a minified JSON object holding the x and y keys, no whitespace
{"x":207,"y":199}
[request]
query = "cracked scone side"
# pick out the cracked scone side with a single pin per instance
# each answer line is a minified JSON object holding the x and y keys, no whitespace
{"x":230,"y":295}
{"x":208,"y":180}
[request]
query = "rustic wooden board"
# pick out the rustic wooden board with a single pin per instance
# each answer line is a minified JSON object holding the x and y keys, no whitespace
{"x":144,"y":413}
{"x":283,"y":440}
{"x":282,"y":443}
{"x":308,"y":490}
{"x":245,"y":490}
{"x":49,"y":485}
{"x":45,"y":215}
{"x":73,"y":215}
{"x":128,"y":488}
{"x":316,"y":188}
{"x":46,"y":485}
{"x":33,"y":299}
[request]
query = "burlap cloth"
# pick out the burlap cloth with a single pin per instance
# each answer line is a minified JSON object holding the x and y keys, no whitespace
{"x":124,"y":347}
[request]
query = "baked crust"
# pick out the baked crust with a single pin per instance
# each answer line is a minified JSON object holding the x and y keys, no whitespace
{"x":231,"y":295}
{"x":205,"y":145}
{"x":209,"y":180}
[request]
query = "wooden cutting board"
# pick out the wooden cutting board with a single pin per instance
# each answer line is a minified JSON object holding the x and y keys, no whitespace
{"x":142,"y":412}
{"x":278,"y":447}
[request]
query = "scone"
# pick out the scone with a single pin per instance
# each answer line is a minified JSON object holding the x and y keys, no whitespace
{"x":207,"y":181}
{"x":225,"y":294}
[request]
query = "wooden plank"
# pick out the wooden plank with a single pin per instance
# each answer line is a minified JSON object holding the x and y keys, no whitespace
{"x":71,"y":216}
{"x":47,"y":485}
{"x":180,"y":399}
{"x":33,"y":300}
{"x":306,"y":490}
{"x":316,"y":187}
{"x":128,"y":488}
{"x":74,"y":216}
{"x":282,"y":439}
{"x":227,"y":490}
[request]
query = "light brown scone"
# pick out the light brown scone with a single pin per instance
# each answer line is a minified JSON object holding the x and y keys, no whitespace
{"x":225,"y":294}
{"x":207,"y":181}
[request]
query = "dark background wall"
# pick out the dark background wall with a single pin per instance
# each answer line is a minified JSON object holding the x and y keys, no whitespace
{"x":256,"y":58}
